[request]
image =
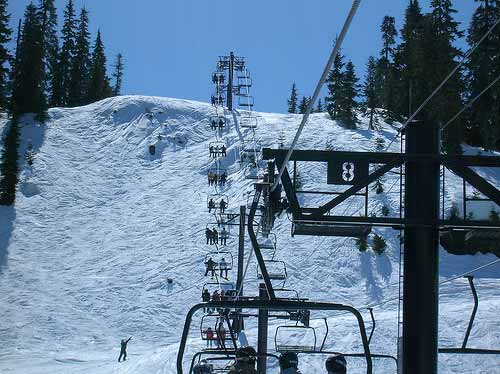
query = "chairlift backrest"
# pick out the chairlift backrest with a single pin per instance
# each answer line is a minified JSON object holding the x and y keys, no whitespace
{"x":295,"y":339}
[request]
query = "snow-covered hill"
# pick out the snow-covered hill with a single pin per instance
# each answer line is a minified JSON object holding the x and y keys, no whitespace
{"x":100,"y":224}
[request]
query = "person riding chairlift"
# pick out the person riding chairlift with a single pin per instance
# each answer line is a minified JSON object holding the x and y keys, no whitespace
{"x":223,"y":266}
{"x":205,"y":297}
{"x":221,"y":335}
{"x":215,"y":235}
{"x":210,"y":337}
{"x":209,"y":235}
{"x":210,"y":264}
{"x":336,"y":365}
{"x":222,"y":205}
{"x":223,"y":236}
{"x":211,"y":205}
{"x":289,"y":362}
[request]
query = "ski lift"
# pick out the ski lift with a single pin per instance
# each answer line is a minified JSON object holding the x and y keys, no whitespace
{"x":214,"y":201}
{"x":253,"y":172}
{"x":246,"y":101}
{"x":229,"y":288}
{"x":318,"y":229}
{"x":269,"y":242}
{"x":275,"y":268}
{"x":248,"y":122}
{"x":218,"y":99}
{"x":244,"y":79}
{"x":217,"y":149}
{"x":211,"y":322}
{"x":218,"y":77}
{"x":217,"y":175}
{"x":218,"y":257}
{"x":295,"y":339}
{"x":217,"y":122}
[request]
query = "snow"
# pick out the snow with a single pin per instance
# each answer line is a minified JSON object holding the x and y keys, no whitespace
{"x":99,"y":225}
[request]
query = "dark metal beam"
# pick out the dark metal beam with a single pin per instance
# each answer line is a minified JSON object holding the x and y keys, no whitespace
{"x":286,"y":181}
{"x":474,"y":310}
{"x":262,"y":332}
{"x":476,"y":181}
{"x":397,"y":161}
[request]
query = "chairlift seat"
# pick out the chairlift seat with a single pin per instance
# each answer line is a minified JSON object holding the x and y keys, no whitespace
{"x":468,"y":242}
{"x":346,"y":231}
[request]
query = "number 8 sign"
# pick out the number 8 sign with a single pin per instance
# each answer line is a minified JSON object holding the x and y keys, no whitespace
{"x":346,"y":171}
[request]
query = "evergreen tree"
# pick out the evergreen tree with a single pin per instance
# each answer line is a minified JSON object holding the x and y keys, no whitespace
{"x":99,"y":87}
{"x":27,"y":86}
{"x":303,"y":105}
{"x":292,"y":101}
{"x":347,"y":103}
{"x":118,"y":75}
{"x":50,"y":43}
{"x":62,"y":77}
{"x":371,"y":88}
{"x":387,"y":93}
{"x":334,"y":82}
{"x":483,"y":67}
{"x":406,"y":62}
{"x":379,"y":244}
{"x":80,"y":65}
{"x":439,"y":61}
{"x":8,"y":164}
{"x":319,"y":107}
{"x":5,"y":34}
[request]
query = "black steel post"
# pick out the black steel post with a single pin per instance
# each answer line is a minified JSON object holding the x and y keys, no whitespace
{"x":421,"y":257}
{"x":262,"y":333}
{"x":241,"y":250}
{"x":474,"y":311}
{"x":230,"y":82}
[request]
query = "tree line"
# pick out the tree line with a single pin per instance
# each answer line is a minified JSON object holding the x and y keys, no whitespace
{"x":48,"y":68}
{"x":412,"y":62}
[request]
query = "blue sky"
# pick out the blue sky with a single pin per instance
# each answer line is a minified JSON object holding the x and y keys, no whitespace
{"x":171,"y":46}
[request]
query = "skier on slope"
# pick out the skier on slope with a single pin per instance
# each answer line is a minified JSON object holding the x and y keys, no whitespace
{"x":123,"y":349}
{"x":336,"y":365}
{"x":289,"y":362}
{"x":245,"y":361}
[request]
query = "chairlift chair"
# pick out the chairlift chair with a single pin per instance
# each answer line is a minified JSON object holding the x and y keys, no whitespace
{"x":248,"y":122}
{"x":217,"y":122}
{"x":217,"y":149}
{"x":253,"y":173}
{"x":275,"y":268}
{"x":227,"y":287}
{"x":295,"y":339}
{"x":212,"y":321}
{"x":216,"y":200}
{"x":319,"y":229}
{"x":246,"y":101}
{"x":269,"y":242}
{"x":218,"y":256}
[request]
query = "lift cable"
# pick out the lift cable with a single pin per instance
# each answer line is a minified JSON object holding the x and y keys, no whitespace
{"x":316,"y":93}
{"x":469,"y":104}
{"x":438,"y":88}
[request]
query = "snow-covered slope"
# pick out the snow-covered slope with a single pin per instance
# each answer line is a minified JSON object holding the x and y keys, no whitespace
{"x":100,"y":224}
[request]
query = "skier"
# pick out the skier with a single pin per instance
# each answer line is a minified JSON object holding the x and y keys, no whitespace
{"x":223,"y":236}
{"x":222,"y":205}
{"x":221,"y":334}
{"x":223,"y":179}
{"x":215,"y":235}
{"x":336,"y":365}
{"x":213,"y":125}
{"x":245,"y":361}
{"x":123,"y":349}
{"x":209,"y":235}
{"x":211,"y":205}
{"x":210,"y":264}
{"x":202,"y":368}
{"x":223,"y":267}
{"x":221,"y":124}
{"x":223,"y":151}
{"x":211,"y":150}
{"x":288,"y":363}
{"x":216,"y":296}
{"x":210,"y":337}
{"x":205,"y":296}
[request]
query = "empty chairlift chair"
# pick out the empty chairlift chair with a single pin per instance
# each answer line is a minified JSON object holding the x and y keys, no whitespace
{"x":246,"y":101}
{"x":275,"y":268}
{"x":319,"y":229}
{"x":248,"y":122}
{"x":295,"y":339}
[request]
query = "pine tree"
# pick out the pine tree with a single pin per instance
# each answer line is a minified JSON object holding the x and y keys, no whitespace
{"x":5,"y":35}
{"x":371,"y":88}
{"x":50,"y":43}
{"x":27,"y":86}
{"x":319,"y":107}
{"x":292,"y":101}
{"x":118,"y":75}
{"x":334,"y":82}
{"x":99,"y":87}
{"x":387,"y":93}
{"x":62,"y":77}
{"x":439,"y":60}
{"x":406,"y":62}
{"x":80,"y":65}
{"x":379,"y":244}
{"x":347,"y":103}
{"x":8,"y":164}
{"x":303,"y":105}
{"x":483,"y":67}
